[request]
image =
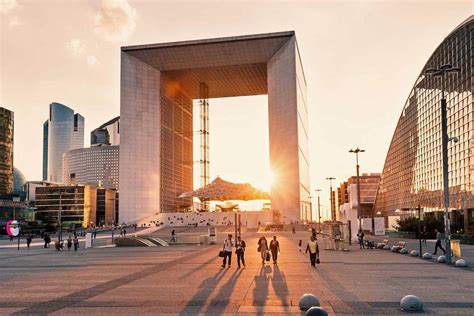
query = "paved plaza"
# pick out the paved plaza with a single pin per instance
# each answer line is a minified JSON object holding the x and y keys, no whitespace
{"x":188,"y":280}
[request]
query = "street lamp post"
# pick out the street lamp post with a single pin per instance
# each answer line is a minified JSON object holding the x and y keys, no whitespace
{"x":356,"y":152}
{"x":442,"y":72}
{"x":319,"y":209}
{"x":310,"y":209}
{"x":333,"y":212}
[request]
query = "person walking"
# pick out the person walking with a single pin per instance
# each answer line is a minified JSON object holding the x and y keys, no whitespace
{"x":438,"y":242}
{"x":227,"y":248}
{"x":240,"y":251}
{"x":173,"y":236}
{"x":275,"y":249}
{"x":360,"y":237}
{"x":263,"y":248}
{"x":45,"y":238}
{"x":300,"y":244}
{"x":28,"y":241}
{"x":313,"y":249}
{"x":76,"y":243}
{"x":69,"y":243}
{"x":424,"y":234}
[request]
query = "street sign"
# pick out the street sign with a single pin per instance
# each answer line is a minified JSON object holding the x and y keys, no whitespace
{"x":13,"y":228}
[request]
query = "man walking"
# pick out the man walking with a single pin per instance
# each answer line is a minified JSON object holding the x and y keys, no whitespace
{"x":227,"y":248}
{"x":173,"y":236}
{"x":360,"y":237}
{"x":275,"y":249}
{"x":28,"y":241}
{"x":313,"y":249}
{"x":240,"y":251}
{"x":438,"y":242}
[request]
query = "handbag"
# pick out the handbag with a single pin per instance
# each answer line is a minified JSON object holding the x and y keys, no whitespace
{"x":317,"y":259}
{"x":222,"y":253}
{"x":267,"y":256}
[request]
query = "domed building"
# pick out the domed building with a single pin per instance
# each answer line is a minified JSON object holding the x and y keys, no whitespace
{"x":413,"y":170}
{"x":19,"y":181}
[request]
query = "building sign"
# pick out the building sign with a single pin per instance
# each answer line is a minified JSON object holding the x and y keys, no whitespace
{"x":13,"y":228}
{"x":10,"y":203}
{"x":379,"y":226}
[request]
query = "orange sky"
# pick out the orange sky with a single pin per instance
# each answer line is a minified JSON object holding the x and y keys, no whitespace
{"x":360,"y":59}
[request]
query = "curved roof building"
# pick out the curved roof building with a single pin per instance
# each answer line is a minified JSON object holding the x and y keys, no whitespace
{"x":96,"y":165}
{"x":412,"y":173}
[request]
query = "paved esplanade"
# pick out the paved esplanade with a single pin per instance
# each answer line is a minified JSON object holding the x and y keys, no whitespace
{"x":188,"y":280}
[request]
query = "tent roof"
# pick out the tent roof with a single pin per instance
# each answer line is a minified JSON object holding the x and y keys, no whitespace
{"x":221,"y":190}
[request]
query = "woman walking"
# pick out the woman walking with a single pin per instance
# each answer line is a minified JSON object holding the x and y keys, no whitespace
{"x":275,"y":249}
{"x":263,"y":248}
{"x":313,"y":250}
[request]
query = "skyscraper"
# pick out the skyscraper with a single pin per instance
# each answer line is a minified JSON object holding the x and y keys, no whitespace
{"x":45,"y":149}
{"x":65,"y":132}
{"x":6,"y":151}
{"x":107,"y":134}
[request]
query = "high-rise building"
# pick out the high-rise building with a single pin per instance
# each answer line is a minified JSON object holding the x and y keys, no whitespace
{"x":96,"y":165}
{"x":6,"y":151}
{"x":65,"y":132}
{"x":158,"y":85}
{"x":45,"y":149}
{"x":413,"y":170}
{"x":107,"y":134}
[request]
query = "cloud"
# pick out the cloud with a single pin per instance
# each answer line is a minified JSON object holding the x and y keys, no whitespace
{"x":7,"y":5}
{"x":14,"y":21}
{"x":92,"y":60}
{"x":116,"y":20}
{"x":76,"y":47}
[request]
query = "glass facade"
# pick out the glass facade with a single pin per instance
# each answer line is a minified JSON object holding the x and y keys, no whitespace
{"x":45,"y":150}
{"x":65,"y":132}
{"x":107,"y":134}
{"x":6,"y":151}
{"x":413,"y":173}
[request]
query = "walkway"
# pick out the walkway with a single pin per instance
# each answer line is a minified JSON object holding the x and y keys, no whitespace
{"x":188,"y":280}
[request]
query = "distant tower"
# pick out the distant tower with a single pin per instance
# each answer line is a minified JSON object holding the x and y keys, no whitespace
{"x":45,"y":150}
{"x":6,"y":151}
{"x":65,"y":132}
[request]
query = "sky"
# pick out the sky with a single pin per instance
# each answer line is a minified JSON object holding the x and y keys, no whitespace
{"x":360,"y":59}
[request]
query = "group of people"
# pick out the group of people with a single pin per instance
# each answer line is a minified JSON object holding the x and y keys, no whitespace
{"x":268,"y":251}
{"x":228,"y":248}
{"x":59,"y":244}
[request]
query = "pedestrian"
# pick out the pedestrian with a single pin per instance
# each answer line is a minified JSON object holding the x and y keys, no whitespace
{"x":240,"y":251}
{"x":57,"y":245}
{"x":360,"y":237}
{"x":438,"y":242}
{"x":28,"y":241}
{"x":313,"y":233}
{"x":173,"y":236}
{"x":313,"y":249}
{"x":69,"y":243}
{"x":294,"y":230}
{"x":300,"y":244}
{"x":76,"y":243}
{"x":424,"y":234}
{"x":275,"y":249}
{"x":45,"y":238}
{"x":263,"y":248}
{"x":94,"y":233}
{"x":124,"y":232}
{"x":227,"y":248}
{"x":11,"y":238}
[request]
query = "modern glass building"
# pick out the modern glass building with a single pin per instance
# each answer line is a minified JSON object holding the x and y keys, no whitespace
{"x":6,"y":151}
{"x":65,"y":132}
{"x":413,"y":173}
{"x":107,"y":134}
{"x":45,"y":149}
{"x":98,"y":165}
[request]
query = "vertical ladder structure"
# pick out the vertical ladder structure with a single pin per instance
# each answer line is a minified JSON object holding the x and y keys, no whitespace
{"x":204,"y":131}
